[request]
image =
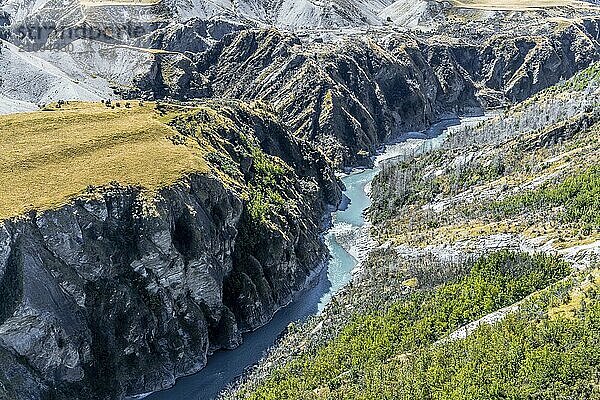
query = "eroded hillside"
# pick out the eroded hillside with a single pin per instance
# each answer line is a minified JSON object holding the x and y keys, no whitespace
{"x":137,"y":240}
{"x":352,"y":91}
{"x":485,"y":282}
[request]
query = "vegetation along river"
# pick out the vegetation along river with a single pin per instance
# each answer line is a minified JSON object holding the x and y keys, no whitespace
{"x":348,"y":243}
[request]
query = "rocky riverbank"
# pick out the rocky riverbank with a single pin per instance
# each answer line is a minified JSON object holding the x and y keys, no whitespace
{"x":119,"y":290}
{"x":123,"y":290}
{"x":488,"y":250}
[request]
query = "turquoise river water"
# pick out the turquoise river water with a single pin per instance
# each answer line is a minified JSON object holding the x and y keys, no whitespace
{"x":224,"y":367}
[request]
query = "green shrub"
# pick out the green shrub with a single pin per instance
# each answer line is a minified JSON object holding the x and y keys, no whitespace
{"x":353,"y":364}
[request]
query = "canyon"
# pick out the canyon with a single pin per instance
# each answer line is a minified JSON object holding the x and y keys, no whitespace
{"x":119,"y":289}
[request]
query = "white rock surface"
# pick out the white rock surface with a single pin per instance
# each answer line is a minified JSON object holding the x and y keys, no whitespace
{"x":28,"y":79}
{"x":89,"y":68}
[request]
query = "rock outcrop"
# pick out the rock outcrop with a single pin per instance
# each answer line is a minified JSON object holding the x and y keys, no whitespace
{"x":349,"y":94}
{"x":121,"y":291}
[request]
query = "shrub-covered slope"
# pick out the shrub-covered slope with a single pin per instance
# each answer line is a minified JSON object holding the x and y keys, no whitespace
{"x":438,"y":311}
{"x":532,"y":170}
{"x":398,"y":333}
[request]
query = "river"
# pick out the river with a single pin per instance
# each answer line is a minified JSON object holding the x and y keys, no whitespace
{"x":348,"y":242}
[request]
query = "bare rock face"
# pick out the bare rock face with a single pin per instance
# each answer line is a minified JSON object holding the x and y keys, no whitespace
{"x":119,"y":293}
{"x":105,"y":289}
{"x":349,"y":94}
{"x":282,"y":13}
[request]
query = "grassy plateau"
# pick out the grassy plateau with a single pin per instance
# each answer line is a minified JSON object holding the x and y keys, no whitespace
{"x":48,"y":157}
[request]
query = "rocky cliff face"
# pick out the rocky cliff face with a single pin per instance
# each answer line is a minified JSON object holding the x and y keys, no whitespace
{"x":351,"y":92}
{"x":120,"y":292}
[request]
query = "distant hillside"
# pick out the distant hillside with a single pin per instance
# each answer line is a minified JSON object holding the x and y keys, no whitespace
{"x":532,"y":170}
{"x":89,"y":50}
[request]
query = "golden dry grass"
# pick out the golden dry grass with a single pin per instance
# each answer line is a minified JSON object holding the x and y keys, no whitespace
{"x":577,"y":296}
{"x":517,"y":5}
{"x":48,"y":157}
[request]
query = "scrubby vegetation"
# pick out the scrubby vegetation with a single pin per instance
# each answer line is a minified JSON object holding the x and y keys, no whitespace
{"x":578,"y":196}
{"x":526,"y":355}
{"x":262,"y":179}
{"x":533,"y":170}
{"x":398,"y":350}
{"x":434,"y":313}
{"x":556,"y":105}
{"x":264,"y":191}
{"x":586,"y":80}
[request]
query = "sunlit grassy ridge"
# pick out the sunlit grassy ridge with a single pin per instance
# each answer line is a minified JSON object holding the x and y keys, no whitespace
{"x":48,"y":157}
